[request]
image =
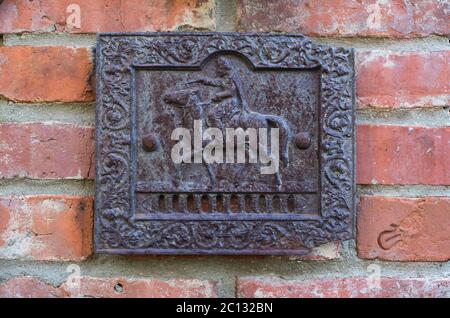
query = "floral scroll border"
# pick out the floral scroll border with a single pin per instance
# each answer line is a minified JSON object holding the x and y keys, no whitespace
{"x":115,"y":229}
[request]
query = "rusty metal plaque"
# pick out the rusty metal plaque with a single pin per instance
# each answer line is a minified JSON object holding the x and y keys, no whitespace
{"x":222,"y":143}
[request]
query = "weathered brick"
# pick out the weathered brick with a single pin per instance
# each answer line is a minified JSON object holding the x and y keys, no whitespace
{"x":46,"y":151}
{"x":141,"y":288}
{"x":45,"y":227}
{"x":349,"y":287}
{"x":401,"y":229}
{"x":408,"y":79}
{"x":105,"y":15}
{"x":390,"y":18}
{"x":29,"y":287}
{"x":45,"y":74}
{"x":402,"y":155}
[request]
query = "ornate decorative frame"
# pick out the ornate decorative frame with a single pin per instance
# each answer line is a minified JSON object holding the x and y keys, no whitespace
{"x":116,"y":230}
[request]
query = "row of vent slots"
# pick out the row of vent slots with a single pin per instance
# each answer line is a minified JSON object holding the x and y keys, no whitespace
{"x":231,"y":203}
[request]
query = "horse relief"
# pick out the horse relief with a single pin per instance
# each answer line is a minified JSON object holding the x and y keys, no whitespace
{"x":220,"y":103}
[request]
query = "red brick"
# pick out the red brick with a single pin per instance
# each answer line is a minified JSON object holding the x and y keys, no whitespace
{"x":400,"y":229}
{"x":349,"y":287}
{"x":105,"y":15}
{"x":46,"y":151}
{"x":142,"y":288}
{"x":390,"y":18}
{"x":28,"y":287}
{"x":403,"y":79}
{"x":45,"y":74}
{"x":46,"y":227}
{"x":402,"y":155}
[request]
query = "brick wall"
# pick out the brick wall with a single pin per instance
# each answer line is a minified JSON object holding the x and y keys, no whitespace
{"x":403,"y":145}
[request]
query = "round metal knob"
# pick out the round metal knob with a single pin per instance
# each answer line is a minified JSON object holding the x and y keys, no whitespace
{"x":150,"y":142}
{"x":303,"y":140}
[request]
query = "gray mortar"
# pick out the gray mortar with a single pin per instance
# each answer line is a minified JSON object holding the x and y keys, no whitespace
{"x":226,"y":17}
{"x":406,"y":191}
{"x":16,"y":186}
{"x":81,"y":114}
{"x":424,"y":117}
{"x":223,"y":269}
{"x":50,"y":39}
{"x":431,"y":43}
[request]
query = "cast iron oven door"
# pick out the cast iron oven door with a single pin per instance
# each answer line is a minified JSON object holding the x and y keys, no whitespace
{"x":148,"y":85}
